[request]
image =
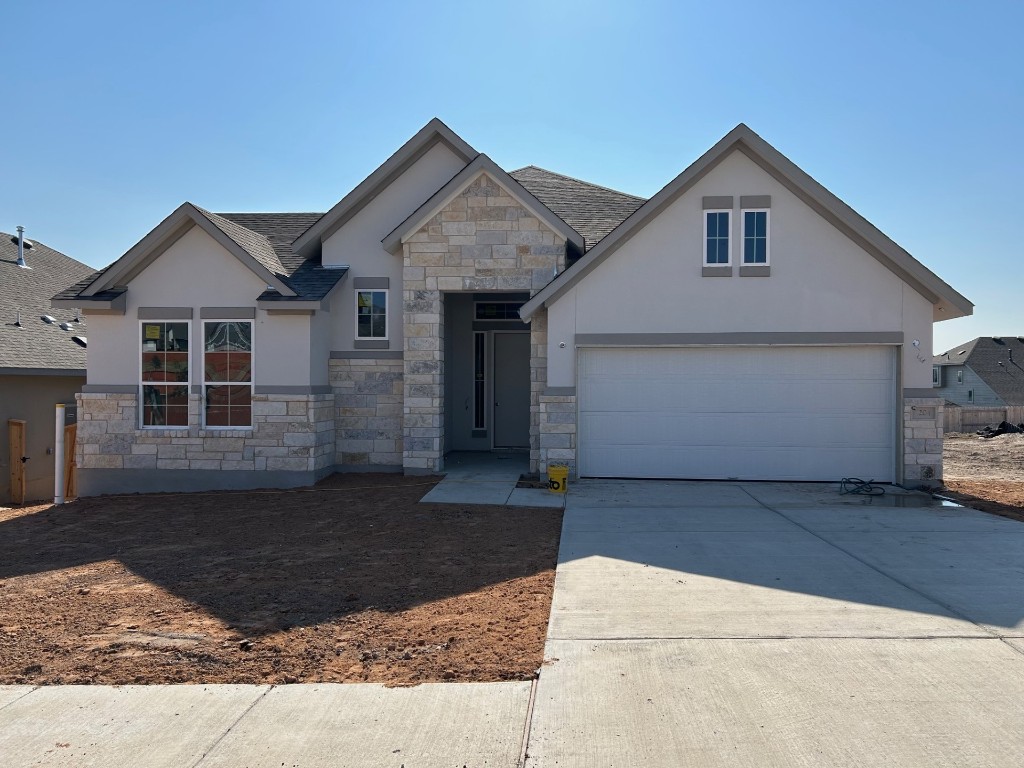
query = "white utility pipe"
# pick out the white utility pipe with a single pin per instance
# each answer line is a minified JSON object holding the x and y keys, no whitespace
{"x":58,"y":457}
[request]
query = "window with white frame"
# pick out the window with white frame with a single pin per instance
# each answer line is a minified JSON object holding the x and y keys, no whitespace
{"x":716,"y":238}
{"x":164,"y":374}
{"x":755,"y":237}
{"x":959,"y":375}
{"x":227,"y":373}
{"x":936,"y":376}
{"x":372,"y":314}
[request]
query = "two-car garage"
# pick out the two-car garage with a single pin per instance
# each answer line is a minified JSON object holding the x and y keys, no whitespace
{"x":745,"y":412}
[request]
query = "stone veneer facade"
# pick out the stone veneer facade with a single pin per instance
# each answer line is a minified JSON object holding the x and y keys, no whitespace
{"x":290,"y":433}
{"x":483,"y":240}
{"x":922,"y":439}
{"x":368,"y":398}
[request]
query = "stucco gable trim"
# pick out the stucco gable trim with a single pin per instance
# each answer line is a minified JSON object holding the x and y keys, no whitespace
{"x":943,"y":297}
{"x":166,"y":234}
{"x":425,"y":139}
{"x":481,"y":165}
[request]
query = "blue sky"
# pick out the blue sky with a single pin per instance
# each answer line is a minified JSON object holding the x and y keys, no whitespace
{"x":909,"y":111}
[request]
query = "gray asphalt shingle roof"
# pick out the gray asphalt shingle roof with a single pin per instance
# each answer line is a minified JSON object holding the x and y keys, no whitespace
{"x":591,"y":210}
{"x":305,"y":276}
{"x":37,"y":344}
{"x":999,"y":361}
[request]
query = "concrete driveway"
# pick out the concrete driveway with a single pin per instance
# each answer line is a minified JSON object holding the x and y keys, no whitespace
{"x":732,"y":624}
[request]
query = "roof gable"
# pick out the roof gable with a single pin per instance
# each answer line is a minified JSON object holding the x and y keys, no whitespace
{"x":947,"y":303}
{"x":481,"y":165}
{"x":250,"y":248}
{"x":426,"y":138}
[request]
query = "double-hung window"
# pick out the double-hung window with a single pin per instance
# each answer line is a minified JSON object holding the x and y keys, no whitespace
{"x":755,"y":237}
{"x":227,"y":373}
{"x":372,"y":314}
{"x":164,"y":374}
{"x":716,"y":238}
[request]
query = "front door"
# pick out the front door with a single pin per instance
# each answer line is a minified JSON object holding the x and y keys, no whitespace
{"x":511,"y":389}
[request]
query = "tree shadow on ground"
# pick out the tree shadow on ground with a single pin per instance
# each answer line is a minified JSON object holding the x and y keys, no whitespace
{"x":271,"y":560}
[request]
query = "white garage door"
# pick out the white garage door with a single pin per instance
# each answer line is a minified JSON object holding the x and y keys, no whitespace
{"x":754,"y":413}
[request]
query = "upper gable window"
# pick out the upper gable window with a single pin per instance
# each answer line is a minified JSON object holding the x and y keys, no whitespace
{"x":372,"y":314}
{"x":716,"y":237}
{"x":755,"y":237}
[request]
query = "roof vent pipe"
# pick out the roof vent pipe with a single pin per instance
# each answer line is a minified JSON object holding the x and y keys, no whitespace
{"x":21,"y":248}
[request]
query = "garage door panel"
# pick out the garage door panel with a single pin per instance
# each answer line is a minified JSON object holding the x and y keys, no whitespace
{"x":727,"y":429}
{"x":745,"y":463}
{"x":788,"y":413}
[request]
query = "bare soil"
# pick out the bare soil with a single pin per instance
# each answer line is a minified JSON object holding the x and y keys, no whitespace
{"x":351,"y":581}
{"x":986,"y":474}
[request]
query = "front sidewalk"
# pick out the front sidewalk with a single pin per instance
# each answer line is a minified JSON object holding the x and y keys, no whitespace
{"x":177,"y":726}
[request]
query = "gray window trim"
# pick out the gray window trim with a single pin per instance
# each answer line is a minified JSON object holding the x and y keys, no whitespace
{"x":371,"y":344}
{"x":227,"y":313}
{"x":759,"y":270}
{"x":368,"y":283}
{"x":756,"y":201}
{"x":718,"y":202}
{"x":721,"y":271}
{"x":165,"y":313}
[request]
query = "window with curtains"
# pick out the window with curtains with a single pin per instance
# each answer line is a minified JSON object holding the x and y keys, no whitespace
{"x":164,"y":374}
{"x":227,"y":373}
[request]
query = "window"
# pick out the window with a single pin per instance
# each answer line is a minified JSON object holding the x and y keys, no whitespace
{"x":716,"y":237}
{"x":970,"y":395}
{"x":498,"y":310}
{"x":479,"y":380}
{"x":936,"y":376}
{"x":959,"y":375}
{"x":755,"y":237}
{"x":371,"y":314}
{"x":164,"y":374}
{"x":227,"y":373}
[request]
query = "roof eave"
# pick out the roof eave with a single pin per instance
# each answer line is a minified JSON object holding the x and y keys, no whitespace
{"x":114,"y":305}
{"x":166,"y":234}
{"x":481,"y":164}
{"x":784,"y":170}
{"x":433,"y":132}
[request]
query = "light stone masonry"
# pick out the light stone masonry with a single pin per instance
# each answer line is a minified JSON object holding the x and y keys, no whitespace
{"x":483,"y":240}
{"x":368,"y":395}
{"x":922,"y":440}
{"x":291,"y":432}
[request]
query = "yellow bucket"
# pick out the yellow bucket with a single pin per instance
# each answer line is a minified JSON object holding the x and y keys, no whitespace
{"x":558,"y":479}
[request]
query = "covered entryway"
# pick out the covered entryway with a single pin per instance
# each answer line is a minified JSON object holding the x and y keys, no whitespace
{"x":753,"y":413}
{"x":487,"y":372}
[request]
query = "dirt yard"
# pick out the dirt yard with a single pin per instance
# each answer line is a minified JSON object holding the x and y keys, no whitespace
{"x":352,"y":581}
{"x":986,"y":474}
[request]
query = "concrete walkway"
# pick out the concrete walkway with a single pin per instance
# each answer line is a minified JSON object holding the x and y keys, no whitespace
{"x":755,"y":624}
{"x":484,"y":477}
{"x":184,"y":726}
{"x":700,"y":624}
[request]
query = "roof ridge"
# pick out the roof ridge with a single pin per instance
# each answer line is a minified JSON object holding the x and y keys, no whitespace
{"x":268,"y":213}
{"x":579,"y":181}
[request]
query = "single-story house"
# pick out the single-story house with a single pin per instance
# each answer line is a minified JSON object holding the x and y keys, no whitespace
{"x":742,"y":323}
{"x":42,"y":362}
{"x":986,"y":371}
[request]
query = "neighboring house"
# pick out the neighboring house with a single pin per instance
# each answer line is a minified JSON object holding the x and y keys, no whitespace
{"x":987,"y":371}
{"x":42,"y":358}
{"x":744,"y":322}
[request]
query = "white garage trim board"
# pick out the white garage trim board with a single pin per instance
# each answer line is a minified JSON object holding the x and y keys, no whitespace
{"x":750,"y":413}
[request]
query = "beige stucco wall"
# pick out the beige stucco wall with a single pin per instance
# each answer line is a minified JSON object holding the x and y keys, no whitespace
{"x":33,"y":399}
{"x":358,"y":243}
{"x":198,"y":272}
{"x":820,"y":281}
